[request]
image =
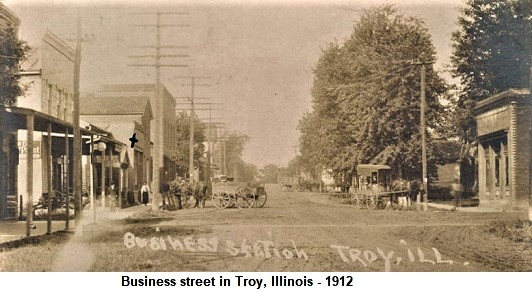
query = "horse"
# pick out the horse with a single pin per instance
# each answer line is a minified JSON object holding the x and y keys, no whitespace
{"x":412,"y":188}
{"x":198,"y":190}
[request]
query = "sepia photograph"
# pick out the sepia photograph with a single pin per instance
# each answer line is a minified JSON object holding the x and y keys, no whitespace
{"x":265,"y":136}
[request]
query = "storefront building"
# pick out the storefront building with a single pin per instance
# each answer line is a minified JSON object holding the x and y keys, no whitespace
{"x":503,"y":125}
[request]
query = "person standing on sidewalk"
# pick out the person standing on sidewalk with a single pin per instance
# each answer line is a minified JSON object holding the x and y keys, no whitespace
{"x":456,"y":191}
{"x":145,"y":192}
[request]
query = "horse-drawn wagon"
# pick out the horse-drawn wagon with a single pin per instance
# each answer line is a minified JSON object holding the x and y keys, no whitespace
{"x":226,"y":194}
{"x":375,"y":189}
{"x":289,"y":183}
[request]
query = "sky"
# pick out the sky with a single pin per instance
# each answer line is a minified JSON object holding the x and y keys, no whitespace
{"x":259,"y":55}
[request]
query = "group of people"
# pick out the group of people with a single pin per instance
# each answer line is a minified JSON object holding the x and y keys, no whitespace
{"x":175,"y":188}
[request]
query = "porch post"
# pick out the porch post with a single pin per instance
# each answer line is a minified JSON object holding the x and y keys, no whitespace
{"x":66,"y":164}
{"x":29,"y":174}
{"x":91,"y":178}
{"x":103,"y":178}
{"x":111,"y":199}
{"x":51,"y":195}
{"x":120,"y":188}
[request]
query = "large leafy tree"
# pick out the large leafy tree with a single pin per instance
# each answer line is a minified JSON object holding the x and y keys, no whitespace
{"x":183,"y":141}
{"x":491,"y":53}
{"x":366,"y":97}
{"x":234,"y":148}
{"x":12,"y":52}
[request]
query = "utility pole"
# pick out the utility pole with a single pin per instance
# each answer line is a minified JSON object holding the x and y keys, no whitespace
{"x":209,"y":129}
{"x":76,"y":151}
{"x":158,"y":149}
{"x":423,"y":129}
{"x":192,"y":85}
{"x":530,"y":149}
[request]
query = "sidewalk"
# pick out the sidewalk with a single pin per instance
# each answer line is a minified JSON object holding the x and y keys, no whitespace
{"x":473,"y":209}
{"x":15,"y":230}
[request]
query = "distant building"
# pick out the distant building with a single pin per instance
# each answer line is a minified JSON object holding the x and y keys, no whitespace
{"x":163,"y":132}
{"x":448,"y":167}
{"x":504,"y":149}
{"x":123,"y":116}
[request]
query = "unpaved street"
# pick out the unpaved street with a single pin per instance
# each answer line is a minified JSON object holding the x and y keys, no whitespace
{"x":334,"y":237}
{"x":299,"y":232}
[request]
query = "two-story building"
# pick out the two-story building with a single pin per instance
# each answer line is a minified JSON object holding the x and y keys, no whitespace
{"x":48,"y":74}
{"x":163,"y":126}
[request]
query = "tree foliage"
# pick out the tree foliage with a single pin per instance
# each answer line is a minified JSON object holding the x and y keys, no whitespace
{"x":183,"y":141}
{"x":366,"y":97}
{"x":235,"y":143}
{"x":12,"y":52}
{"x":271,"y":173}
{"x":491,"y":53}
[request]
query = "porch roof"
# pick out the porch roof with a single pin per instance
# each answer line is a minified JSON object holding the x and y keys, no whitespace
{"x":14,"y":118}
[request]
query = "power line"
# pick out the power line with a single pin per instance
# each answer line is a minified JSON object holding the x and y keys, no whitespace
{"x":158,"y":149}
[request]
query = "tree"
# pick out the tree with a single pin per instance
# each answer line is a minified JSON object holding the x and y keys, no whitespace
{"x":12,"y":52}
{"x":247,"y":172}
{"x":366,"y":97}
{"x":234,"y":148}
{"x":183,"y":140}
{"x":491,"y":53}
{"x":271,"y":173}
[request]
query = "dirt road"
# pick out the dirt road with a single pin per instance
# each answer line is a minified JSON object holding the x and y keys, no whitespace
{"x":301,"y":232}
{"x":314,"y":232}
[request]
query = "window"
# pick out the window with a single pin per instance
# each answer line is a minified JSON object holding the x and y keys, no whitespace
{"x":50,"y":99}
{"x":59,"y":102}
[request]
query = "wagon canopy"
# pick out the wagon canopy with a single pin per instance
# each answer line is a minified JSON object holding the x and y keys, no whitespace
{"x":367,"y":169}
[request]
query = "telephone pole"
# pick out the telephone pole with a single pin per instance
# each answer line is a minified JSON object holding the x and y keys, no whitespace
{"x":158,"y":150}
{"x":192,"y":85}
{"x":209,"y":129}
{"x":76,"y":151}
{"x":423,"y":129}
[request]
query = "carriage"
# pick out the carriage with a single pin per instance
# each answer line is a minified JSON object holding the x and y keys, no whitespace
{"x":375,"y":190}
{"x":227,"y":194}
{"x":289,"y":183}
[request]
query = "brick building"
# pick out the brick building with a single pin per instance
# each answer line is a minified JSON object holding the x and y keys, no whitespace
{"x":503,"y":125}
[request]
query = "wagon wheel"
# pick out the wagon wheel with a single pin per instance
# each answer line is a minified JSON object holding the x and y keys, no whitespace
{"x":380,"y":202}
{"x":218,"y":201}
{"x":372,"y":201}
{"x":244,"y":197}
{"x":231,"y":199}
{"x":357,"y":200}
{"x":260,"y":198}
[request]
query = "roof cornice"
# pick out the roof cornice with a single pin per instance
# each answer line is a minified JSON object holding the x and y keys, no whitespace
{"x":60,"y":45}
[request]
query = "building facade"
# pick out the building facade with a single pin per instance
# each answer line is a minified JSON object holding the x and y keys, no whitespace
{"x":503,"y":125}
{"x":162,"y":129}
{"x":124,"y":116}
{"x":8,"y":18}
{"x":47,"y":74}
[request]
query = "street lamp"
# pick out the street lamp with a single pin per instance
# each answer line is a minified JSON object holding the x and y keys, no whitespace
{"x":101,"y":146}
